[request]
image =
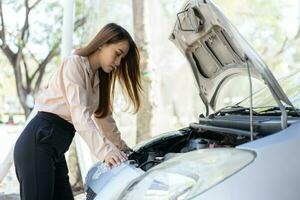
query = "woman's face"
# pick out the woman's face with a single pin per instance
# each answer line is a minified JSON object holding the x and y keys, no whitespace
{"x":109,"y":56}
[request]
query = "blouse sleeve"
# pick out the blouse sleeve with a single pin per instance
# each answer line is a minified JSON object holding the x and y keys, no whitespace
{"x":109,"y":128}
{"x":77,"y":97}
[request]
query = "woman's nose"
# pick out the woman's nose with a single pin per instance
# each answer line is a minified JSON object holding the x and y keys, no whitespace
{"x":118,"y":61}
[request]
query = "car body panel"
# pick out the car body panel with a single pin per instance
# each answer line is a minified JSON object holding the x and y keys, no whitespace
{"x":274,"y":174}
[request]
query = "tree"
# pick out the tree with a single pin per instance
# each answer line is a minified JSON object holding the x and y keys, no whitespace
{"x":265,"y":26}
{"x":144,"y":116}
{"x":32,"y":47}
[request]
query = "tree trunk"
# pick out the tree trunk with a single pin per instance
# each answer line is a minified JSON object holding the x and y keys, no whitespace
{"x":144,"y":116}
{"x":74,"y":171}
{"x":21,"y":91}
{"x":28,"y":84}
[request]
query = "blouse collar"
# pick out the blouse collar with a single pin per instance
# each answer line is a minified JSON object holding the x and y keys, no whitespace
{"x":90,"y":71}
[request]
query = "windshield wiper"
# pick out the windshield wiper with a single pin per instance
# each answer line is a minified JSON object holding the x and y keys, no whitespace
{"x":275,"y":110}
{"x":236,"y":109}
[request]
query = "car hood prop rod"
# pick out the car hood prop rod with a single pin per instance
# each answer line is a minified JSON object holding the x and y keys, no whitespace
{"x":280,"y":104}
{"x":251,"y":98}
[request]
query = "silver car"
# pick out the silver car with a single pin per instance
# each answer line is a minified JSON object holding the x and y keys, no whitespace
{"x":250,"y":150}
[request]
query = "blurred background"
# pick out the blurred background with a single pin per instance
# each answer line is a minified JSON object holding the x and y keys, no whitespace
{"x":31,"y":35}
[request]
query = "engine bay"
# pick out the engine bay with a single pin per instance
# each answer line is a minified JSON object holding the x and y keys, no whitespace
{"x":182,"y":141}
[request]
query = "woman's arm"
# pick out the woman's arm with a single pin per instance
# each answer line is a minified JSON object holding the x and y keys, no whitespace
{"x":77,"y":99}
{"x":109,"y":128}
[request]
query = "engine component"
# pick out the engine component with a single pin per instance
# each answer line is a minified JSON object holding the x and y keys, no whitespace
{"x":195,"y":144}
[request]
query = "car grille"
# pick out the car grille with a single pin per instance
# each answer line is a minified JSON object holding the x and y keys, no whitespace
{"x":90,"y":194}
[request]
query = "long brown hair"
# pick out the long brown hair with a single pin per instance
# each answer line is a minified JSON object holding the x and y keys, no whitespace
{"x":128,"y":73}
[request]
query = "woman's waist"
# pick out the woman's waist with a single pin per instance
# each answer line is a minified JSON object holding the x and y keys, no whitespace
{"x":57,"y":120}
{"x":58,"y":108}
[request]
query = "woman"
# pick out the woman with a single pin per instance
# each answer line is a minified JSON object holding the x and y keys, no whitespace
{"x":78,"y":98}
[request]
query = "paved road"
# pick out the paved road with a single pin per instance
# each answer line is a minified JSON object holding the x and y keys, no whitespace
{"x":9,"y":197}
{"x":16,"y":197}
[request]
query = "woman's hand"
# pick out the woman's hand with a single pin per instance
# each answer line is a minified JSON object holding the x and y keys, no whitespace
{"x":115,"y":158}
{"x":128,"y":151}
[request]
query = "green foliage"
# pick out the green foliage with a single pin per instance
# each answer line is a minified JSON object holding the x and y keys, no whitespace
{"x":45,"y":28}
{"x":266,"y":25}
{"x":42,"y":36}
{"x":101,"y":12}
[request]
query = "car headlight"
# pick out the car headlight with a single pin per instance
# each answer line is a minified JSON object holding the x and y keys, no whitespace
{"x":189,"y":174}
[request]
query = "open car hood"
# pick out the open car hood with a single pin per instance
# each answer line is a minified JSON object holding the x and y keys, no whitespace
{"x":217,"y":52}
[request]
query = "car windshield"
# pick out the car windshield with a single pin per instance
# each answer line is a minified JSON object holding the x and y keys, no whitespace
{"x":264,"y":98}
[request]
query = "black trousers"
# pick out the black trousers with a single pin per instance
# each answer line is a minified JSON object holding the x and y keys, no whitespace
{"x":39,"y":158}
